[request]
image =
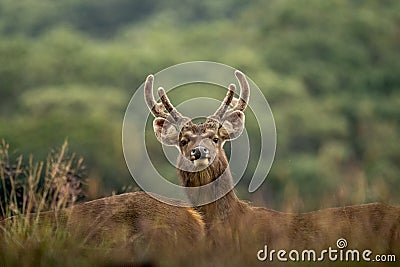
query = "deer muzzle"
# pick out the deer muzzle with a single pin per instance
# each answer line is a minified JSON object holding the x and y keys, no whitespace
{"x":200,"y":156}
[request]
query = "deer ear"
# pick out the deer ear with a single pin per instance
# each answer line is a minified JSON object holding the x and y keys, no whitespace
{"x":233,"y":125}
{"x":165,"y":132}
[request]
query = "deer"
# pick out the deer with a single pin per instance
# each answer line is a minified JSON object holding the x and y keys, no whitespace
{"x":202,"y":161}
{"x":133,"y":227}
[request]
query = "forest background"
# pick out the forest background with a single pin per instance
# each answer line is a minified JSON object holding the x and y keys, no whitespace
{"x":330,"y":71}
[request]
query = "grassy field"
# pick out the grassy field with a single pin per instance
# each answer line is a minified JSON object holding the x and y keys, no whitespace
{"x":32,"y":236}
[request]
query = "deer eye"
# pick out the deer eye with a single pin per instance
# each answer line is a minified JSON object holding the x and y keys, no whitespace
{"x":215,"y":139}
{"x":183,"y":142}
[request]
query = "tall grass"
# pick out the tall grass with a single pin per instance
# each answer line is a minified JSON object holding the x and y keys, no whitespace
{"x":29,"y":188}
{"x":34,"y":196}
{"x":37,"y":186}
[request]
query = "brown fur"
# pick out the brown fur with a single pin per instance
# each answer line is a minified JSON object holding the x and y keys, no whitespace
{"x":370,"y":226}
{"x":235,"y":224}
{"x":126,"y":220}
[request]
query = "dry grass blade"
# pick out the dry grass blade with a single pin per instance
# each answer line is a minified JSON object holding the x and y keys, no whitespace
{"x":37,"y":186}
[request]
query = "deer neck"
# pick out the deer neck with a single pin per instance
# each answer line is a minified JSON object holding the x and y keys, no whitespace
{"x":224,"y":209}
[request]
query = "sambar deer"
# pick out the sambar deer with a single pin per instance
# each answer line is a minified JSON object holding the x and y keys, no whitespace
{"x":123,"y":220}
{"x":132,"y":228}
{"x":202,"y":160}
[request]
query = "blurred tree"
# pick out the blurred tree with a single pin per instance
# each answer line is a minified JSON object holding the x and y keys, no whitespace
{"x":330,"y":70}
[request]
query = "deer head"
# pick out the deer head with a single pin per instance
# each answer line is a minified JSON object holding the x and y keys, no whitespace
{"x":202,"y":158}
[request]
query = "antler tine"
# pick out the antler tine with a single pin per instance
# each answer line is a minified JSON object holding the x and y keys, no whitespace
{"x":227,"y":101}
{"x":176,"y":116}
{"x":157,"y":109}
{"x":244,"y":91}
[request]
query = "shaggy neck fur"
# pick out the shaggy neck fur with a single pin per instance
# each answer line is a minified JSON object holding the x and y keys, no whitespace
{"x":223,"y":209}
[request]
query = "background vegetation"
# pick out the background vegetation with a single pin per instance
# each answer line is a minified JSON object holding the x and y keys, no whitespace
{"x":68,"y":68}
{"x":329,"y":69}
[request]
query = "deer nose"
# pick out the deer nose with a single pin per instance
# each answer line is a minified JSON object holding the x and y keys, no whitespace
{"x":199,"y":152}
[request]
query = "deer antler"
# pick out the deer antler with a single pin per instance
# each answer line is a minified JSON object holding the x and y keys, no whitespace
{"x":157,"y":109}
{"x":238,"y":104}
{"x":176,"y":116}
{"x":241,"y":104}
{"x":225,"y":104}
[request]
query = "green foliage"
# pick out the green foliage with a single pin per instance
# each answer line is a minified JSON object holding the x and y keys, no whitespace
{"x":329,"y":69}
